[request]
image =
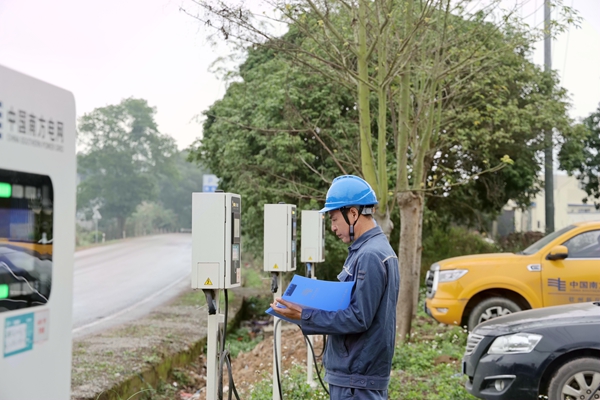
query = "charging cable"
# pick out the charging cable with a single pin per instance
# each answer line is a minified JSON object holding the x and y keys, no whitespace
{"x":312,"y":350}
{"x":223,"y":355}
{"x":276,"y":361}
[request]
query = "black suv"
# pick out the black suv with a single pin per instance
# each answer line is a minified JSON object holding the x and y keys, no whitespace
{"x":551,"y":353}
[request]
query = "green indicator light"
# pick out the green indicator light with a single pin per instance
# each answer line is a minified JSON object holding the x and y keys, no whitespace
{"x":5,"y":189}
{"x":3,"y":291}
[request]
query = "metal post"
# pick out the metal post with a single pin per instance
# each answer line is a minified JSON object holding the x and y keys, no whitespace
{"x":212,"y":352}
{"x":277,"y":337}
{"x":309,"y":353}
{"x":548,"y":156}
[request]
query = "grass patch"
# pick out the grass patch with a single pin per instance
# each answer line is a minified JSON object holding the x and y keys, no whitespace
{"x":242,"y":339}
{"x":253,"y":279}
{"x":293,"y":386}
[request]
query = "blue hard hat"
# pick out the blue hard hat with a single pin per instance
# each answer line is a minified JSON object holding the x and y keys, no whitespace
{"x":349,"y":190}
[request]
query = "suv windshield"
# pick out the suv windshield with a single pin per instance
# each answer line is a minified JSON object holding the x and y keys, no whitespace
{"x":537,"y":246}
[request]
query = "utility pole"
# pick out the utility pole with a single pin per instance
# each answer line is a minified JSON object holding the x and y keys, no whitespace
{"x":548,"y":159}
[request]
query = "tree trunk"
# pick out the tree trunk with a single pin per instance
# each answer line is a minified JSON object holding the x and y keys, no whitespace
{"x":409,"y":258}
{"x":418,"y":261}
{"x":384,"y":221}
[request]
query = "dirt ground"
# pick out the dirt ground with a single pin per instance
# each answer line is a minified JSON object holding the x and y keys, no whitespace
{"x":257,"y":364}
{"x":251,"y":367}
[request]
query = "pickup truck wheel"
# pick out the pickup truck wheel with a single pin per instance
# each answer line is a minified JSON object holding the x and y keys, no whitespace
{"x":490,"y":308}
{"x":577,"y":379}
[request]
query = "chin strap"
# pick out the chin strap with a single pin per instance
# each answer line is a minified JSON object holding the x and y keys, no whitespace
{"x":344,"y":212}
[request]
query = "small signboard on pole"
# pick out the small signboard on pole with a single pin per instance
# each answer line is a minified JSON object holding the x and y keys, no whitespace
{"x":209,"y":183}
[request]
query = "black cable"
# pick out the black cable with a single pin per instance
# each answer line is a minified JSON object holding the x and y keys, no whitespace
{"x":274,"y":282}
{"x":275,"y":360}
{"x":312,"y":350}
{"x":324,"y":344}
{"x":232,"y":389}
{"x":225,"y":357}
{"x":222,"y":334}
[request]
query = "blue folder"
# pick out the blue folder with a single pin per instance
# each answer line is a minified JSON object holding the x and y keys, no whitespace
{"x":313,"y":293}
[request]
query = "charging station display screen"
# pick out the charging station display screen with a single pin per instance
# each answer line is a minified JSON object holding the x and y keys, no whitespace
{"x":236,"y":227}
{"x":294,"y":222}
{"x":236,"y":214}
{"x":323,"y":234}
{"x":26,"y":235}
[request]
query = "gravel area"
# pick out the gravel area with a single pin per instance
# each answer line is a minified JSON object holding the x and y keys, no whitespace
{"x":105,"y":361}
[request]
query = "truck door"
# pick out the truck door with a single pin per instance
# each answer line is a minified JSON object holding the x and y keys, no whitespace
{"x":575,"y":279}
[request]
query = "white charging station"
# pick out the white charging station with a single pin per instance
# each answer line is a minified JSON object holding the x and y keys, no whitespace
{"x":312,"y":251}
{"x":37,"y":237}
{"x":279,"y":256}
{"x":280,"y":237}
{"x":216,"y":239}
{"x":312,"y":237}
{"x":216,"y":265}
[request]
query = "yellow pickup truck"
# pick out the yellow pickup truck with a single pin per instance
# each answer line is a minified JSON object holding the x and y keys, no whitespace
{"x":561,"y":268}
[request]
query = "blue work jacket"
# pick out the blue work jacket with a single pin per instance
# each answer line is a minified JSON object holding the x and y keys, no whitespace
{"x":361,"y":338}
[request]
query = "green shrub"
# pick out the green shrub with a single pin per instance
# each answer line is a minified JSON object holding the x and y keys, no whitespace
{"x":241,"y":340}
{"x":518,"y":241}
{"x":439,"y":244}
{"x":293,"y":386}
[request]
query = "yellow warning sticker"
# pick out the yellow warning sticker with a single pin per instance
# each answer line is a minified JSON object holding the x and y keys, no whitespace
{"x":275,"y":266}
{"x":309,"y":258}
{"x":208,"y":282}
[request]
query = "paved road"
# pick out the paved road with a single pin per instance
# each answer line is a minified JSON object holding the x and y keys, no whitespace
{"x":120,"y":282}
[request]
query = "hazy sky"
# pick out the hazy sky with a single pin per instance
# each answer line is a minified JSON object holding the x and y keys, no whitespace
{"x":104,"y":51}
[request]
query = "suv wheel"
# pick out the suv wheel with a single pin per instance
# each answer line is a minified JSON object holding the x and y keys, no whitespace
{"x":491,"y":308}
{"x":577,"y":379}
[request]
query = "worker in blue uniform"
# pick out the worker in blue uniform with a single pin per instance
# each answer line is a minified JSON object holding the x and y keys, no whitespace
{"x":360,"y":346}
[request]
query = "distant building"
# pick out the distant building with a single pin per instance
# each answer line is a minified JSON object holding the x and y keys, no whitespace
{"x":568,"y":208}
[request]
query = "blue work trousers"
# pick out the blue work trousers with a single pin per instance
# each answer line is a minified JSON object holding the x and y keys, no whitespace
{"x":343,"y":393}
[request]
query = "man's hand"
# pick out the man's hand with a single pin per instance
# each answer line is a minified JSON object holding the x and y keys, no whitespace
{"x":293,"y":310}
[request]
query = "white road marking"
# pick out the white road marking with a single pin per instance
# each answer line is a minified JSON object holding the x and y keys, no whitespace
{"x":130,"y":308}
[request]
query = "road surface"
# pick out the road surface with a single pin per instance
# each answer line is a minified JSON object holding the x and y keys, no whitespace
{"x":123,"y":281}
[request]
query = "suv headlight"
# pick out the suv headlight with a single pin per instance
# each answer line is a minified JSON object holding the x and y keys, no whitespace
{"x":451,"y":275}
{"x":518,"y":343}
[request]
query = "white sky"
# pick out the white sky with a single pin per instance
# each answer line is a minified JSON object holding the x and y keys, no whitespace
{"x":104,"y":51}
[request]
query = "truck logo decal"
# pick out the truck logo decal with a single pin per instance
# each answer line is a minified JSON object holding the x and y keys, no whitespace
{"x":558,"y":283}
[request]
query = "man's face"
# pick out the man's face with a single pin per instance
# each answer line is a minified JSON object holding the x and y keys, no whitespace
{"x":339,"y":225}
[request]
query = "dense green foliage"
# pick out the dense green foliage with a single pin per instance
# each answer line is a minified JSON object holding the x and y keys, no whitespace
{"x":282,"y":132}
{"x":175,"y":193}
{"x":580,"y":156}
{"x":124,"y":154}
{"x":129,"y":170}
{"x":439,"y":244}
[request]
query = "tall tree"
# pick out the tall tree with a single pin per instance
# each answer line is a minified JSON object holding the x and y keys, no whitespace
{"x":580,"y":156}
{"x":123,"y":156}
{"x":175,"y":193}
{"x":405,"y":62}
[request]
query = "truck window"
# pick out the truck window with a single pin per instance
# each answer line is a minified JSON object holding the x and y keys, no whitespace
{"x":537,"y":246}
{"x":584,"y":245}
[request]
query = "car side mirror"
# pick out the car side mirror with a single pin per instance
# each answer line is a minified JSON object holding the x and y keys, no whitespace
{"x":558,"y":253}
